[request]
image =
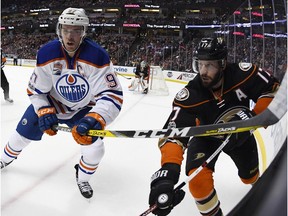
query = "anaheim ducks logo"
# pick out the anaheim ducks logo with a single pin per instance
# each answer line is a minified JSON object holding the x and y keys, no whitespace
{"x":182,"y":95}
{"x":198,"y":156}
{"x":227,"y":116}
{"x":72,"y":87}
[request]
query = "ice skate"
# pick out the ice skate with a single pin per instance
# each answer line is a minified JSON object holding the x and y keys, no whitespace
{"x":3,"y":164}
{"x":145,"y":91}
{"x":84,"y":187}
{"x":9,"y":100}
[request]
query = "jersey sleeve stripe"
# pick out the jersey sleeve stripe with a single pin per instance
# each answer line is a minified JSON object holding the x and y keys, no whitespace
{"x":48,"y":62}
{"x":111,"y":100}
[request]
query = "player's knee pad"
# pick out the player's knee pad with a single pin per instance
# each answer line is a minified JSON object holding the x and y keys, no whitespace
{"x":92,"y":154}
{"x":251,"y":180}
{"x":202,"y":184}
{"x":15,"y":145}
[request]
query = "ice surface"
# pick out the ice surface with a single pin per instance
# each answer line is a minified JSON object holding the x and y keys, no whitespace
{"x":42,"y":180}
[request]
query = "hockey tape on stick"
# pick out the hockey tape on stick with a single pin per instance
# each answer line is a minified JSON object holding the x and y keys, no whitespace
{"x":192,"y":175}
{"x":274,"y":112}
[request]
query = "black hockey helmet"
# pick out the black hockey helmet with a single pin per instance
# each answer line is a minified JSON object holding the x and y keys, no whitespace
{"x":213,"y":48}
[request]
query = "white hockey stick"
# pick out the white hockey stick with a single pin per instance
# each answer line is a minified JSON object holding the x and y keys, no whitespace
{"x":274,"y":112}
{"x":190,"y":177}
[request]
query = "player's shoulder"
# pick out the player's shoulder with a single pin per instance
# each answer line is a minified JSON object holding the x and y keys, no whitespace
{"x":49,"y":46}
{"x":49,"y":51}
{"x":90,"y":44}
{"x":242,"y":68}
{"x":192,"y":94}
{"x":195,"y":84}
{"x":93,"y":53}
{"x":240,"y":72}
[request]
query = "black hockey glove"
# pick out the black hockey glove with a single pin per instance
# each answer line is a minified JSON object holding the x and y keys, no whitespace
{"x":238,"y":139}
{"x":162,"y":189}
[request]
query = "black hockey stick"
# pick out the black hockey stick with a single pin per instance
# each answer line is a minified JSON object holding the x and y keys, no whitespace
{"x":123,"y":76}
{"x":192,"y":175}
{"x":274,"y":112}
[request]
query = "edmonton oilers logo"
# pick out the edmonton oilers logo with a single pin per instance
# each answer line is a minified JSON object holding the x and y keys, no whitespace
{"x":72,"y":87}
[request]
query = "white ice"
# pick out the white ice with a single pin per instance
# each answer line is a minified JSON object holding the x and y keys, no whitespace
{"x":42,"y":180}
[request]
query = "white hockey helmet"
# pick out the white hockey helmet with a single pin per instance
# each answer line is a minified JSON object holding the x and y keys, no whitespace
{"x":75,"y":17}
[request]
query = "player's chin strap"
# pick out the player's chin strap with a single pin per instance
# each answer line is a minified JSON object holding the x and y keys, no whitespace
{"x":190,"y":177}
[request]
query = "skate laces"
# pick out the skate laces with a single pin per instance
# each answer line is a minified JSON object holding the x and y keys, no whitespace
{"x":84,"y":186}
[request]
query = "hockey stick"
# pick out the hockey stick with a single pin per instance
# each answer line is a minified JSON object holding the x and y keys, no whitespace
{"x":123,"y":76}
{"x":192,"y":175}
{"x":274,"y":112}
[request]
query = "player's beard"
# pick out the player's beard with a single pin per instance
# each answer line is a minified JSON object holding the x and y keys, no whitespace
{"x":209,"y":82}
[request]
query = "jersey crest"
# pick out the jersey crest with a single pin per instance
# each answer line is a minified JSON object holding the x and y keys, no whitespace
{"x":229,"y":114}
{"x":244,"y":66}
{"x":72,"y":87}
{"x":182,"y":95}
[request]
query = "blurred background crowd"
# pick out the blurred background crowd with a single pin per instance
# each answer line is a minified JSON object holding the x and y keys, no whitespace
{"x":160,"y":32}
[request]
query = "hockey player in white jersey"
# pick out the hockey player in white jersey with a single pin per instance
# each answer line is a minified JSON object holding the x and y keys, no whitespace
{"x":73,"y":83}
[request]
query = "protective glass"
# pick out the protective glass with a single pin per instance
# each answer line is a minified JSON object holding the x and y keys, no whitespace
{"x":212,"y":65}
{"x":73,"y":32}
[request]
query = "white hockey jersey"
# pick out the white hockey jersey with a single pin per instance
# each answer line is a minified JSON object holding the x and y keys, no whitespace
{"x":71,"y":84}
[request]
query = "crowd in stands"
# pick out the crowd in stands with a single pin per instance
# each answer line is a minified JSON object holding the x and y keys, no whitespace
{"x":171,"y":53}
{"x":24,"y":46}
{"x":126,"y":48}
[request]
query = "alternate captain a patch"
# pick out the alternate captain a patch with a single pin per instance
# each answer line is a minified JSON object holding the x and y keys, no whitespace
{"x":182,"y":95}
{"x":72,"y":87}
